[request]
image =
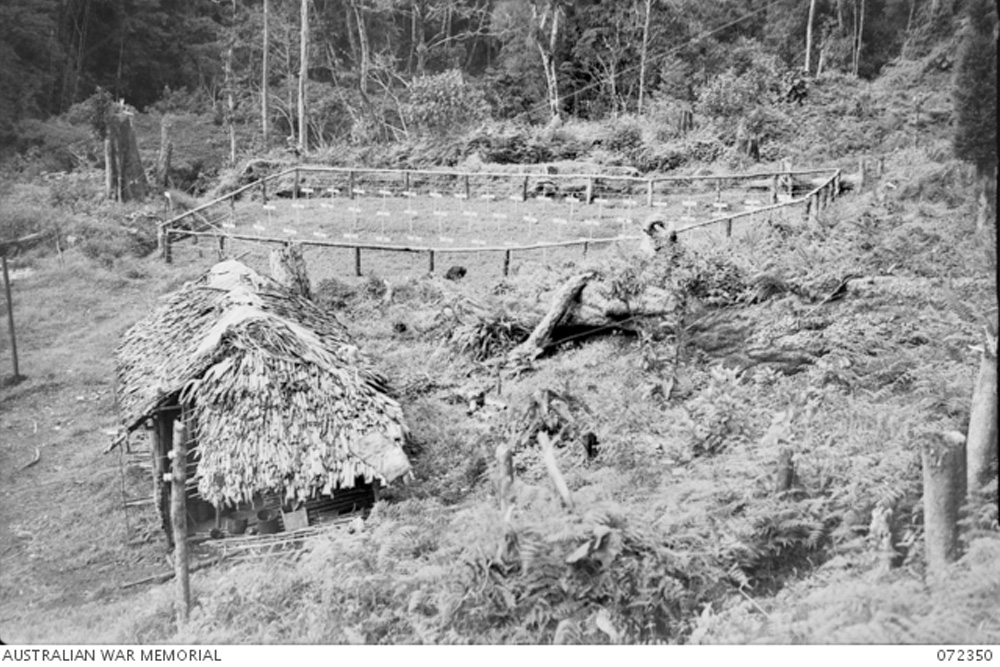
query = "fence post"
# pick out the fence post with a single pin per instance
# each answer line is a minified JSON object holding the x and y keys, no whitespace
{"x":718,"y":189}
{"x":861,"y":174}
{"x":586,"y":247}
{"x":10,"y":312}
{"x":263,"y":189}
{"x":589,"y":196}
{"x":232,"y":210}
{"x":506,"y":263}
{"x":524,"y":189}
{"x":179,"y":519}
{"x":468,"y":192}
{"x":357,"y":261}
{"x":168,"y":255}
{"x":350,"y":186}
{"x":729,"y":228}
{"x":649,"y":193}
{"x":774,"y":189}
{"x":295,"y":191}
{"x":430,"y":262}
{"x":406,"y":181}
{"x":222,"y":247}
{"x":813,"y":209}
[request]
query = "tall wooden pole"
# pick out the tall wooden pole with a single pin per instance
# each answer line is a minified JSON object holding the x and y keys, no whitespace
{"x":303,"y":75}
{"x":10,"y":314}
{"x":178,"y":511}
{"x":263,"y":81}
{"x":809,"y":35}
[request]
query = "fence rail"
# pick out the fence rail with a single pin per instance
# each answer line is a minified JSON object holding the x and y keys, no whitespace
{"x":823,"y":192}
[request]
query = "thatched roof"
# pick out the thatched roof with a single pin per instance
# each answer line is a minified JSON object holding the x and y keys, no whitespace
{"x":279,"y":398}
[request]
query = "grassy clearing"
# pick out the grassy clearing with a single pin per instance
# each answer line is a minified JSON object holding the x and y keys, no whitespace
{"x":682,"y":536}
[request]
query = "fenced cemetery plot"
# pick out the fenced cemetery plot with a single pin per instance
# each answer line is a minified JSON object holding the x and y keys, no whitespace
{"x":397,"y":222}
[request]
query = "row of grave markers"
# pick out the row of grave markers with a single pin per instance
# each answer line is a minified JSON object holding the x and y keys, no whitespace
{"x":689,"y":207}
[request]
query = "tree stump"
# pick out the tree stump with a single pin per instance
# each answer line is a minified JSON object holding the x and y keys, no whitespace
{"x":982,"y":436}
{"x":943,"y":459}
{"x":288,"y":267}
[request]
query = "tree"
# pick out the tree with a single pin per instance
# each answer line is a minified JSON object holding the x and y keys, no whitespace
{"x":975,"y":97}
{"x":809,"y":34}
{"x":303,"y":77}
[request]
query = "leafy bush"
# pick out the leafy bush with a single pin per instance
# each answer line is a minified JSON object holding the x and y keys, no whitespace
{"x":443,"y":103}
{"x":106,"y":242}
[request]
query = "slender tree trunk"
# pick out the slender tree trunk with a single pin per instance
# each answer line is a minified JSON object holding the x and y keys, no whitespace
{"x":644,"y":54}
{"x":861,"y":32}
{"x":362,"y":48}
{"x":809,"y":35}
{"x":166,"y":151}
{"x":230,"y":99}
{"x":264,"y":76}
{"x":303,"y":76}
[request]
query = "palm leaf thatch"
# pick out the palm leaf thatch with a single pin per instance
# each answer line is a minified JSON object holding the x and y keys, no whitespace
{"x":279,"y":399}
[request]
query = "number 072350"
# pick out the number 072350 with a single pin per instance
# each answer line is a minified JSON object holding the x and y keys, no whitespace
{"x":964,"y":655}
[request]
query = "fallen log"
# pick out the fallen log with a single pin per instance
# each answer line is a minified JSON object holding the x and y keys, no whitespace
{"x":564,"y":302}
{"x":164,"y":577}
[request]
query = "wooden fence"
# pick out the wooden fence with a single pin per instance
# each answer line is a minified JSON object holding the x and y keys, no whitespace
{"x":825,"y":189}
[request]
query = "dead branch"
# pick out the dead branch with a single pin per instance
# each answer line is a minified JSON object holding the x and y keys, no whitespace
{"x":549,"y":458}
{"x":38,"y":457}
{"x":564,"y":301}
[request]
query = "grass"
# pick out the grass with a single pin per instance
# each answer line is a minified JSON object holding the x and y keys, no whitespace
{"x":676,"y":515}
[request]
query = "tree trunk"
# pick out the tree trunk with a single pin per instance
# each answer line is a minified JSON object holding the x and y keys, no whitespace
{"x":303,"y":76}
{"x":809,"y":35}
{"x":943,"y":461}
{"x":861,"y":32}
{"x":644,"y":54}
{"x":166,"y":152}
{"x":264,"y":76}
{"x":982,"y":436}
{"x":123,"y":167}
{"x":230,"y":100}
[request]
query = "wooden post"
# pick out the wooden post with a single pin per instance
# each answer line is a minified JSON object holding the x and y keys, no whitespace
{"x":506,"y":263}
{"x":295,"y":190}
{"x":982,"y":436}
{"x":163,"y":438}
{"x":222,"y":247}
{"x":649,"y":193}
{"x":10,"y":314}
{"x":350,"y":185}
{"x":232,"y":210}
{"x":406,"y":181}
{"x":468,"y":191}
{"x":718,"y":189}
{"x":168,"y":255}
{"x":524,"y":189}
{"x":357,"y":261}
{"x":814,"y":209}
{"x":836,"y":184}
{"x":861,"y":174}
{"x":729,"y":228}
{"x":263,"y":189}
{"x":430,"y":261}
{"x":943,"y":458}
{"x":178,"y":510}
{"x":585,"y":248}
{"x":774,"y":189}
{"x":589,"y":195}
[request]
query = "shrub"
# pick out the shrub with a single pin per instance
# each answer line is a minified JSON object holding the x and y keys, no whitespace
{"x":444,"y":102}
{"x":106,"y":242}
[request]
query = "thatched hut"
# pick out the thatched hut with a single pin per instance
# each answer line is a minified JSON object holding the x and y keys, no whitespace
{"x":281,"y":407}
